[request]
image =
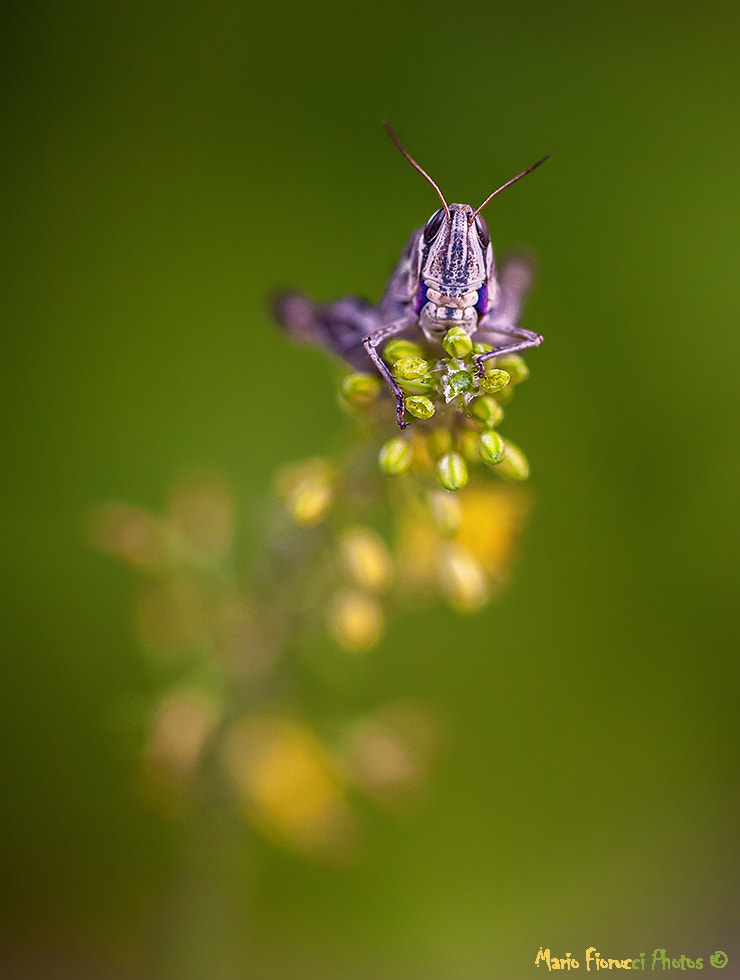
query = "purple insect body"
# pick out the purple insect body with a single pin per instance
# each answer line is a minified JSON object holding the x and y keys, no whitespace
{"x":445,"y":278}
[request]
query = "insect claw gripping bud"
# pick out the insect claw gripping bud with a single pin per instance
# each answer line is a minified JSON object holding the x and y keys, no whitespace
{"x":420,"y":406}
{"x":494,"y":380}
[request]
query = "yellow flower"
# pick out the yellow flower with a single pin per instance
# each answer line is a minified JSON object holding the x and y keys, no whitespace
{"x":307,"y":490}
{"x":366,"y":558}
{"x":491,"y":521}
{"x":287,"y":784}
{"x":356,"y":620}
{"x":461,"y":559}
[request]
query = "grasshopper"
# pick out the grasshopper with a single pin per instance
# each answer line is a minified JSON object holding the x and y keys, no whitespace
{"x":446,"y":277}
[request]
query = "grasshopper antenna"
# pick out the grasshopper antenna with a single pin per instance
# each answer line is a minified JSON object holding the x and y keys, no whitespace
{"x":425,"y":174}
{"x":504,"y":186}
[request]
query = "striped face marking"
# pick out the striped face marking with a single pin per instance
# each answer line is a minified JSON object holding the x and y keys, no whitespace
{"x":454,"y":256}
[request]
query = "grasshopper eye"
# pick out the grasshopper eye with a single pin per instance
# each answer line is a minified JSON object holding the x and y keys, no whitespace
{"x":484,"y":235}
{"x":433,"y":225}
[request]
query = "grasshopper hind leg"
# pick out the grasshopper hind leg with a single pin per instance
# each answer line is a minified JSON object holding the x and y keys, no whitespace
{"x":339,"y":327}
{"x":351,"y":328}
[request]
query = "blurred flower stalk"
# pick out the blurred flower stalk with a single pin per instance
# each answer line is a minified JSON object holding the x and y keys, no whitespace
{"x":431,"y":513}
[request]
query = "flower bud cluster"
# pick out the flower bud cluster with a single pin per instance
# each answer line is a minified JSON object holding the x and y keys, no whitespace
{"x":455,"y":527}
{"x":455,"y":403}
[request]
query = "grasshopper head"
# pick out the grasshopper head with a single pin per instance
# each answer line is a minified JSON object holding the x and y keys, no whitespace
{"x":454,"y":263}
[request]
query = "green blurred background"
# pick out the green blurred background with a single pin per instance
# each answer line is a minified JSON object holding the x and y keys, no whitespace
{"x":167,"y":165}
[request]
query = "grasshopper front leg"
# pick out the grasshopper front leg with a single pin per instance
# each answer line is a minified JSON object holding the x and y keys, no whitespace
{"x":370,"y":343}
{"x":499,"y":325}
{"x":526,"y":339}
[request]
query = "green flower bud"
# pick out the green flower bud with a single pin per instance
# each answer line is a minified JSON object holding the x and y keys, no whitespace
{"x":491,"y":448}
{"x":514,"y":365}
{"x":452,"y":472}
{"x":395,"y":456}
{"x":457,"y":343}
{"x":360,"y":390}
{"x":399,"y":348}
{"x":411,"y":368}
{"x":486,"y":411}
{"x":514,"y":464}
{"x":422,"y":386}
{"x":420,"y":407}
{"x":481,"y":348}
{"x":460,"y":382}
{"x":494,"y":380}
